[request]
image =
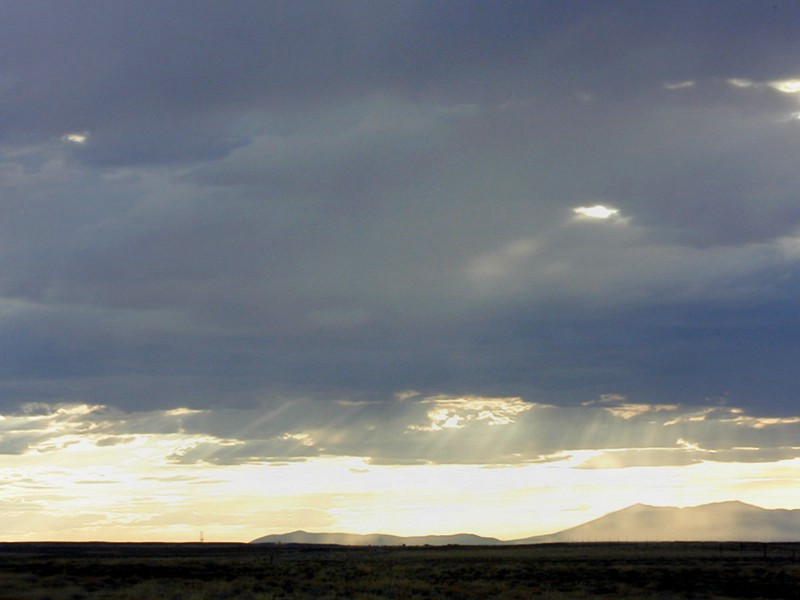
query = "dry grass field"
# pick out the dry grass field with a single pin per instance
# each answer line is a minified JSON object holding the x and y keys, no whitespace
{"x":63,"y":571}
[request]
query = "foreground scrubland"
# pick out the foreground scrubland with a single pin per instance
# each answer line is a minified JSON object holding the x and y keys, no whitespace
{"x":58,"y":571}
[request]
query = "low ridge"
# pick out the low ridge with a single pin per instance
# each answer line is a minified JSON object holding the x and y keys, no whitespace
{"x":376,"y":539}
{"x":719,"y":521}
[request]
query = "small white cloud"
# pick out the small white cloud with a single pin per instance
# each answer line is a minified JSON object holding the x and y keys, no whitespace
{"x":687,"y":445}
{"x":454,"y":412}
{"x":762,"y":422}
{"x":181,"y":411}
{"x":303,"y":438}
{"x":444,"y":419}
{"x":705,"y":414}
{"x":630,"y":410}
{"x":598,"y":211}
{"x":735,"y":416}
{"x":621,"y":408}
{"x":75,"y":137}
{"x":680,"y":85}
{"x":786,"y":86}
{"x":740,"y":83}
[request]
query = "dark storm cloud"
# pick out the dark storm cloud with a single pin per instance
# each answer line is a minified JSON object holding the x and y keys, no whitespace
{"x":168,"y":79}
{"x":217,"y":204}
{"x":160,"y":81}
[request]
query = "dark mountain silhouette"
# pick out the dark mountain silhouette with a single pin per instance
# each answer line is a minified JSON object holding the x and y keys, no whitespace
{"x":375,"y":539}
{"x":721,"y":521}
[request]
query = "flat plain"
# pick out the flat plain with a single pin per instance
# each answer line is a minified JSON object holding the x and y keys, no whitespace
{"x":73,"y":571}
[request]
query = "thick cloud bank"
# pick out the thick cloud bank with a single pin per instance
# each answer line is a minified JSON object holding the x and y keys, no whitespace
{"x":254,"y":226}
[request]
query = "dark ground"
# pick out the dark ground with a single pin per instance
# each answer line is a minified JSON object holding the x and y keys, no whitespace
{"x":71,"y":571}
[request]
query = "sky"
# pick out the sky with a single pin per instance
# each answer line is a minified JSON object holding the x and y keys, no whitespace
{"x":401,"y":266}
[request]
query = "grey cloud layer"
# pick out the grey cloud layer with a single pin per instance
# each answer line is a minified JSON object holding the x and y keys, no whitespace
{"x":387,"y":203}
{"x":434,"y":430}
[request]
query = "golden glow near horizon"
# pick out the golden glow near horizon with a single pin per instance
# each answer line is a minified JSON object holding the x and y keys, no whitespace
{"x":78,"y":480}
{"x":89,"y":500}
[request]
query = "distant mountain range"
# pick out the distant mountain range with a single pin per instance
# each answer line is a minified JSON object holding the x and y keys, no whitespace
{"x":376,"y":539}
{"x":721,"y":521}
